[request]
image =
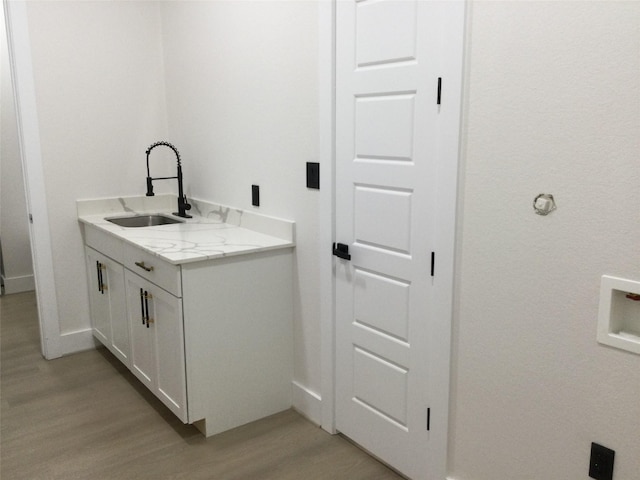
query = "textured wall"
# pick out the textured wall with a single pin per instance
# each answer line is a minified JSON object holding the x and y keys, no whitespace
{"x":99,"y":83}
{"x":242,"y":104}
{"x":242,"y":96}
{"x":553,"y":105}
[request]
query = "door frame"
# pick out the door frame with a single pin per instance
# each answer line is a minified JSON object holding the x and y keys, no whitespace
{"x":31,"y":156}
{"x":452,"y":63}
{"x":327,"y":214}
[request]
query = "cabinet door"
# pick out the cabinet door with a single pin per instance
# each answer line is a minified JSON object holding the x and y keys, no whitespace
{"x":108,"y":311}
{"x":142,"y":355}
{"x":98,"y":298}
{"x":157,"y":337}
{"x":169,"y":345}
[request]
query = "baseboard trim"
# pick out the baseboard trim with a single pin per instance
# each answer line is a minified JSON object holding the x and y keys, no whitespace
{"x":307,"y":402}
{"x":25,"y":283}
{"x":78,"y":341}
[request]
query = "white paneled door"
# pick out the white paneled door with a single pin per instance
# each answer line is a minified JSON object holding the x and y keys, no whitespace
{"x":391,"y":386}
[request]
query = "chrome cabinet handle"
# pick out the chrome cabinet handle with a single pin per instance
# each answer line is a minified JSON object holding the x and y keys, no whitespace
{"x":147,"y":296}
{"x":144,"y":267}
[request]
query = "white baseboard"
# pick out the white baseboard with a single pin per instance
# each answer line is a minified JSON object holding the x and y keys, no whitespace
{"x":24,"y":283}
{"x":78,"y":341}
{"x":307,"y":402}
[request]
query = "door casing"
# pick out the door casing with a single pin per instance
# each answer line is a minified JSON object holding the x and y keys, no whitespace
{"x":31,"y":156}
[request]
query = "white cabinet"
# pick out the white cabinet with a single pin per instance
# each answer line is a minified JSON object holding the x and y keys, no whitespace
{"x":137,"y":320}
{"x":108,"y":313}
{"x":157,"y":342}
{"x":239,"y":338}
{"x":212,"y":339}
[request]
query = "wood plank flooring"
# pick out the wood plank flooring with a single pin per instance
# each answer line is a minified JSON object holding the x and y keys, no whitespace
{"x":86,"y":417}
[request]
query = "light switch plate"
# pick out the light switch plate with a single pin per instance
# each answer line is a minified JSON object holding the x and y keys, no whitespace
{"x":313,"y":175}
{"x":255,"y":195}
{"x":601,"y":463}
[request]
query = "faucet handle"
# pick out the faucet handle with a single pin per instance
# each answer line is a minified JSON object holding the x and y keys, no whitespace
{"x":149,"y":187}
{"x":183,"y":206}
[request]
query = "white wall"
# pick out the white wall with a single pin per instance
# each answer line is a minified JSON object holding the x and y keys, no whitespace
{"x":553,"y":105}
{"x":242,"y":104}
{"x":99,"y":83}
{"x":14,"y":230}
{"x":242,"y":96}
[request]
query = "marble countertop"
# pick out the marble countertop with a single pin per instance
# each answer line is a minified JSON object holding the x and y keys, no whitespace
{"x":214,"y":231}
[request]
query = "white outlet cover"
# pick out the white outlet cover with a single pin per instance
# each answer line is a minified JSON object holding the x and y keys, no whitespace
{"x":615,"y":332}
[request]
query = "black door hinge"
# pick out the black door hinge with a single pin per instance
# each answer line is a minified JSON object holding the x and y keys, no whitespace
{"x":439,"y":90}
{"x":428,"y":419}
{"x":433,"y":263}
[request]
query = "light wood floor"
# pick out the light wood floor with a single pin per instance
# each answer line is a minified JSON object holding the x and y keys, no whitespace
{"x":86,"y":417}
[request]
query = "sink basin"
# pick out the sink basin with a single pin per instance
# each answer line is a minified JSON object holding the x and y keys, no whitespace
{"x":143,"y":220}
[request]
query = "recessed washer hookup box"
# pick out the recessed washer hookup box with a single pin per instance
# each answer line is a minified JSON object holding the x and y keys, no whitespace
{"x":619,"y":313}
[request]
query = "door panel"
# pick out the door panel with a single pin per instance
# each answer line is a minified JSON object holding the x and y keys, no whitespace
{"x":392,"y":317}
{"x":384,"y":126}
{"x":371,"y":370}
{"x":387,"y":154}
{"x":382,"y":217}
{"x":385,"y":32}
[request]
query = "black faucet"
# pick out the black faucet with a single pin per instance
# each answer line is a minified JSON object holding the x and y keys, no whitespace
{"x":183,"y":206}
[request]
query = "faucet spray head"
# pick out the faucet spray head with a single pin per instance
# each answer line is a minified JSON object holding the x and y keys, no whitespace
{"x":183,"y":205}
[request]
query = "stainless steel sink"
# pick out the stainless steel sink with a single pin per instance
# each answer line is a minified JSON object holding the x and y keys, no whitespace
{"x":150,"y":220}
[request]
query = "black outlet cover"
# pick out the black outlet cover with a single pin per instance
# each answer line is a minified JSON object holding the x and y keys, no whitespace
{"x":601,"y":465}
{"x":255,"y":195}
{"x":313,"y":175}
